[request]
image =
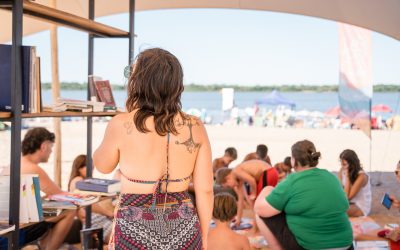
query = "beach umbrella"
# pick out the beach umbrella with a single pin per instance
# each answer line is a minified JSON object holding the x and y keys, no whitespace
{"x":335,"y":111}
{"x":380,"y":16}
{"x":381,"y":108}
{"x":276,"y":98}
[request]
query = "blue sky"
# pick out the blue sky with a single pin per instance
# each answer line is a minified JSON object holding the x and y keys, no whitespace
{"x":221,"y":46}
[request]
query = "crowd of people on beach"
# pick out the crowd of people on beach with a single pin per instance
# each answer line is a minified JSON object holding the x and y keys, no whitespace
{"x":171,"y":189}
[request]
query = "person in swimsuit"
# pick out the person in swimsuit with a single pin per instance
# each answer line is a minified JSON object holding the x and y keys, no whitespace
{"x":356,"y":184}
{"x":159,"y":149}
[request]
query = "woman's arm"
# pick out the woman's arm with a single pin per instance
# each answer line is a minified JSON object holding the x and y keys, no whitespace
{"x":203,"y":184}
{"x":72,"y":185}
{"x":262,"y":207}
{"x":351,"y":190}
{"x":106,"y":156}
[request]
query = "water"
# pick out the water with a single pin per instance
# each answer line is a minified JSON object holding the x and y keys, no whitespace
{"x":212,"y":101}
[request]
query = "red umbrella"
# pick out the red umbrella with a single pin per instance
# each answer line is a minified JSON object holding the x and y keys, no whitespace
{"x":381,"y":108}
{"x":335,"y":111}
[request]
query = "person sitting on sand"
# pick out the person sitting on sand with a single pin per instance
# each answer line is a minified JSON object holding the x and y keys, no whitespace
{"x":222,"y":236}
{"x":102,"y":212}
{"x":260,"y":154}
{"x":256,"y":174}
{"x":283,"y":170}
{"x":223,"y":162}
{"x":356,"y":184}
{"x":395,"y":201}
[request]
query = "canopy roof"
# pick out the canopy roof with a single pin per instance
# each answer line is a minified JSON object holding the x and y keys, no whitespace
{"x":275,"y":98}
{"x":377,"y":15}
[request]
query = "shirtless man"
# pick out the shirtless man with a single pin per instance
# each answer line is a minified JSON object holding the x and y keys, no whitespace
{"x":36,"y":148}
{"x":260,"y":154}
{"x":247,"y":172}
{"x":224,"y":161}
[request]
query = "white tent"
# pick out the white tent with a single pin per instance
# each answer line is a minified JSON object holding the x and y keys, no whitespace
{"x":378,"y":15}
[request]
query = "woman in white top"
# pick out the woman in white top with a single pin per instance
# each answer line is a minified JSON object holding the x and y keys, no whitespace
{"x":356,"y":184}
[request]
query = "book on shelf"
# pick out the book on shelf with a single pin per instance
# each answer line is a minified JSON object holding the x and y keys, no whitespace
{"x":99,"y":185}
{"x":76,"y":199}
{"x":30,"y":201}
{"x":5,"y":228}
{"x":30,"y":91}
{"x":104,"y":92}
{"x":92,"y":89}
{"x":64,"y":104}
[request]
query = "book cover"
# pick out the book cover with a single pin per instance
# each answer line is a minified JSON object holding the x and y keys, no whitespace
{"x":104,"y":91}
{"x":31,"y":198}
{"x":99,"y":185}
{"x":4,"y":197}
{"x":76,"y":199}
{"x":5,"y":77}
{"x":23,"y":202}
{"x":38,"y":198}
{"x":92,"y":88}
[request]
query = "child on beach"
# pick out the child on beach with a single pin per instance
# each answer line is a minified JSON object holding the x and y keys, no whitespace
{"x":260,"y":154}
{"x":223,"y":162}
{"x":356,"y":184}
{"x":222,"y":236}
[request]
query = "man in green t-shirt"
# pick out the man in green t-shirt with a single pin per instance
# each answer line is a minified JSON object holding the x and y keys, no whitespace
{"x":308,"y":209}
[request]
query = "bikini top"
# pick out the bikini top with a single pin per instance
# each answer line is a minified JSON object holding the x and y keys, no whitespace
{"x":163,"y":179}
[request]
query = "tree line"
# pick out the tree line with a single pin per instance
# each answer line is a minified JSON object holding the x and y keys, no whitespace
{"x":256,"y":88}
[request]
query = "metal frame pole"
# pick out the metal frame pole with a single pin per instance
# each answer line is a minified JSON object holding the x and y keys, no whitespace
{"x":89,"y":130}
{"x":131,"y":31}
{"x":16,"y":96}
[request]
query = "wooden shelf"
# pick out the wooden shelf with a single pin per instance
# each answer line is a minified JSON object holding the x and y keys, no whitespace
{"x":7,"y":115}
{"x":59,"y":17}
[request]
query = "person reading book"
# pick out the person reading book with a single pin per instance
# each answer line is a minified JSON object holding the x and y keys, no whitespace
{"x":36,"y":148}
{"x":222,"y":236}
{"x":159,"y":149}
{"x":103,"y":212}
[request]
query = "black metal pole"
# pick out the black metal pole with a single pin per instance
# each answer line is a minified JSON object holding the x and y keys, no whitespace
{"x":16,"y":96}
{"x":131,"y":31}
{"x":89,"y":164}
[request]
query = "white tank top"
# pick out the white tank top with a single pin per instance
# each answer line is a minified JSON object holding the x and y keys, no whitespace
{"x":363,"y":198}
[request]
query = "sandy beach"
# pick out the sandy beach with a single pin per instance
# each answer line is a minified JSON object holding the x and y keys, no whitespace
{"x":385,"y":147}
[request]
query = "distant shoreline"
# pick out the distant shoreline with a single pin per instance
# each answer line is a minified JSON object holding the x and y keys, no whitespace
{"x":238,"y":88}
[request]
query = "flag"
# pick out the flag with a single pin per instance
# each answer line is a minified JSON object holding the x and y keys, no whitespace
{"x":355,"y":78}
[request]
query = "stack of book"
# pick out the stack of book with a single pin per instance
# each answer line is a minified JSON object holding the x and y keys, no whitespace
{"x":31,"y":209}
{"x":71,"y":201}
{"x":64,"y":104}
{"x":98,"y":186}
{"x":31,"y":85}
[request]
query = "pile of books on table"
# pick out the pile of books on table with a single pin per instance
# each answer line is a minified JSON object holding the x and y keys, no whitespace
{"x":68,"y":201}
{"x":96,"y":186}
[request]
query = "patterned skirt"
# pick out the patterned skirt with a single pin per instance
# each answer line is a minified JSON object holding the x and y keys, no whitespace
{"x":171,"y":224}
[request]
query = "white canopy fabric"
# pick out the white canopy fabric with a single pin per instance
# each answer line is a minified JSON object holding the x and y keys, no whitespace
{"x":378,"y":15}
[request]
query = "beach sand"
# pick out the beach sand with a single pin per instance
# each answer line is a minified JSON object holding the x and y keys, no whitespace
{"x":385,"y":149}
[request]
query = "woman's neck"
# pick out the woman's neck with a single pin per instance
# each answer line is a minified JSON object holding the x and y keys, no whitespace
{"x":303,"y":168}
{"x":222,"y":224}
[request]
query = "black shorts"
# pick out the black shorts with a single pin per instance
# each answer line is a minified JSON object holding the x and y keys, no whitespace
{"x":35,"y":231}
{"x":279,"y":228}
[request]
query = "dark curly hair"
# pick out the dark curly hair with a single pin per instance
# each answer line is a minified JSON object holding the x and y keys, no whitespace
{"x":34,"y":138}
{"x":225,"y":207}
{"x":304,"y":152}
{"x":155,"y":89}
{"x":354,"y":163}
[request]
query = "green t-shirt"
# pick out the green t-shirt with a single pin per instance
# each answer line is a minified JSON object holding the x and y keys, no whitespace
{"x":315,"y":206}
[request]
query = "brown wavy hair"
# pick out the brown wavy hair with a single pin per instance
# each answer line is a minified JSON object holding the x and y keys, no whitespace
{"x":154,"y":89}
{"x":79,"y":162}
{"x":304,"y":152}
{"x":34,"y":138}
{"x":354,"y":163}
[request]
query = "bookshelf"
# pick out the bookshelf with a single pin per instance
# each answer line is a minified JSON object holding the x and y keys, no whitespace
{"x":7,"y":115}
{"x":19,"y":8}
